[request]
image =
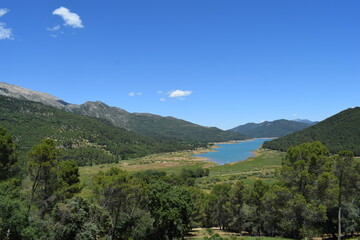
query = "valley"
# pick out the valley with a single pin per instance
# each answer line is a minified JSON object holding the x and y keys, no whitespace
{"x":167,"y":178}
{"x":261,"y":166}
{"x":179,"y":120}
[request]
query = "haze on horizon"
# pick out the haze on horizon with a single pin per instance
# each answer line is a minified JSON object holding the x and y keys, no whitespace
{"x":209,"y":62}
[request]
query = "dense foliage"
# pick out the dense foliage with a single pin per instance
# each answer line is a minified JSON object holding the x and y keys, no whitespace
{"x":8,"y":156}
{"x":339,"y":132}
{"x":316,"y":193}
{"x":86,"y":139}
{"x":277,"y":128}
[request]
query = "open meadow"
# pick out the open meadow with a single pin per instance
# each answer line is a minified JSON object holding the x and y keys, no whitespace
{"x":261,"y":166}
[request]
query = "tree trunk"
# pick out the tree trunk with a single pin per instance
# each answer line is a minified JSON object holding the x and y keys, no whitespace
{"x":339,"y":223}
{"x":115,"y":222}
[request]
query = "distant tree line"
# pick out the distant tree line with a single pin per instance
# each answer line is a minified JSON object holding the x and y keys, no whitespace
{"x":316,"y":193}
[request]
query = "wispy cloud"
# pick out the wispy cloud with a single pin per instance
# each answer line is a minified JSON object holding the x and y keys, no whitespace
{"x":179,"y":93}
{"x":53,"y":29}
{"x":162,"y":99}
{"x":132,"y":94}
{"x":71,"y":19}
{"x":3,"y":11}
{"x":5,"y":33}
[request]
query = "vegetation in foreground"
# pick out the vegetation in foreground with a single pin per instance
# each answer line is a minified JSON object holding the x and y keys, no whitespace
{"x":218,"y":234}
{"x":315,"y":193}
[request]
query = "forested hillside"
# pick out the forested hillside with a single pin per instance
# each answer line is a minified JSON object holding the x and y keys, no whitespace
{"x":86,"y":139}
{"x":154,"y":125}
{"x":141,"y":123}
{"x":277,"y":128}
{"x":339,"y":132}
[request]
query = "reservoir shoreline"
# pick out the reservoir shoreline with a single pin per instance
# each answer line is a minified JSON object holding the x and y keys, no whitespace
{"x":232,"y":151}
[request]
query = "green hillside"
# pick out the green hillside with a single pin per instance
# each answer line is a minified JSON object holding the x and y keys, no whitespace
{"x":86,"y":139}
{"x":180,"y":129}
{"x":339,"y":132}
{"x":154,"y":125}
{"x":141,"y":123}
{"x":277,"y":128}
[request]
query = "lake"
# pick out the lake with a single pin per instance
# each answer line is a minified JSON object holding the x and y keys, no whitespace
{"x":234,"y":152}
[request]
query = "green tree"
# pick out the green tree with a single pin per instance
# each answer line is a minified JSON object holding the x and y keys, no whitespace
{"x":220,"y":204}
{"x":171,"y":208}
{"x":79,"y":220}
{"x":307,"y":172}
{"x":52,"y":181}
{"x":255,"y":199}
{"x":124,"y":198}
{"x":346,"y":170}
{"x":275,"y":201}
{"x":198,"y":216}
{"x":302,"y":165}
{"x":68,"y":173}
{"x":43,"y":159}
{"x":13,"y":219}
{"x":237,"y":201}
{"x":8,"y":157}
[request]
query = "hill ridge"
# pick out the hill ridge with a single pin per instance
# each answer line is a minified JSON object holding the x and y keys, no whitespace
{"x":338,"y":132}
{"x":276,"y":128}
{"x":142,"y":123}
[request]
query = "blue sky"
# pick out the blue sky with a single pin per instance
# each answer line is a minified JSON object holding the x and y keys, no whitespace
{"x":215,"y":63}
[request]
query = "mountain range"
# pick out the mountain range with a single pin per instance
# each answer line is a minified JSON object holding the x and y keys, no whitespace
{"x":89,"y":140}
{"x":277,"y":128}
{"x":142,"y":123}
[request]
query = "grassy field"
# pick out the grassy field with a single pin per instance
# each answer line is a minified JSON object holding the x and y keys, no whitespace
{"x":206,"y":233}
{"x":171,"y":163}
{"x":261,"y":166}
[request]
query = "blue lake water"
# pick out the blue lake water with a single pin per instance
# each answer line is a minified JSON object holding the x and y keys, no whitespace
{"x":234,"y":152}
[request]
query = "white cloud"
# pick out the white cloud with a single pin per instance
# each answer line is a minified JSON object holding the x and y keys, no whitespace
{"x":71,"y":19}
{"x":159,"y":92}
{"x":162,"y":99}
{"x":179,"y":93}
{"x":53,"y":29}
{"x":3,"y":11}
{"x":132,"y":94}
{"x":5,"y":33}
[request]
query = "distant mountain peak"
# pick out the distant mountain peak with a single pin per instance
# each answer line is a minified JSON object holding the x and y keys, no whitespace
{"x":9,"y":90}
{"x":305,"y":121}
{"x":276,"y":128}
